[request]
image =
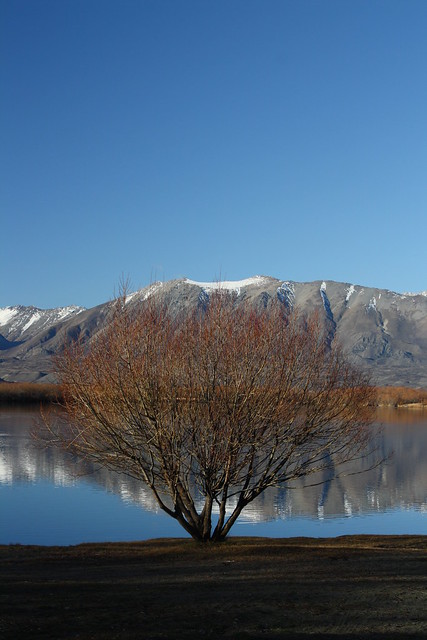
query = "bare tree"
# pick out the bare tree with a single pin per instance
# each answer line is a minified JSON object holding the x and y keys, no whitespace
{"x":211,"y":407}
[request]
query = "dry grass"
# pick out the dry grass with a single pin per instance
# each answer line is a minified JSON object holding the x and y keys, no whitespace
{"x":35,"y":393}
{"x":351,"y":587}
{"x":28,"y":393}
{"x":401,"y":396}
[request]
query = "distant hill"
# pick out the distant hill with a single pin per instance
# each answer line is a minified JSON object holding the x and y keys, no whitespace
{"x":382,"y":331}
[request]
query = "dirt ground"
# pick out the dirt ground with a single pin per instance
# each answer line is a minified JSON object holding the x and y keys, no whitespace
{"x":350,"y":587}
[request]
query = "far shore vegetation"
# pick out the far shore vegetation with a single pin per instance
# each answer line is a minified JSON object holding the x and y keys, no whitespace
{"x":29,"y":393}
{"x":401,"y":397}
{"x":34,"y":393}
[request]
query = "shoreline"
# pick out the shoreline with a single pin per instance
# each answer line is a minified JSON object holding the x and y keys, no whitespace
{"x":36,"y":393}
{"x":359,"y":540}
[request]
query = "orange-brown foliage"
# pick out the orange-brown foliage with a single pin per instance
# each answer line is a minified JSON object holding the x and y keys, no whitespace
{"x":214,"y":406}
{"x":401,"y":396}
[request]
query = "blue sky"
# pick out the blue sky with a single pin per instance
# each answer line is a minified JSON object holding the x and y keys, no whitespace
{"x":226,"y":138}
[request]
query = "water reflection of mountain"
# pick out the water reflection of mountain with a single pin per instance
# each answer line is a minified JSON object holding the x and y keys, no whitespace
{"x":399,"y":483}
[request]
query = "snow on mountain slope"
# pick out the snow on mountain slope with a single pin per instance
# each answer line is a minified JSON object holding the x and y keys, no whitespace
{"x":326,"y":302}
{"x":382,"y":331}
{"x":229,"y":285}
{"x":420,"y":293}
{"x":144,"y":293}
{"x":18,"y":323}
{"x":286,"y":293}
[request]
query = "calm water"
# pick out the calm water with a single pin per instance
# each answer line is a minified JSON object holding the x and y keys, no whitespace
{"x":43,"y":501}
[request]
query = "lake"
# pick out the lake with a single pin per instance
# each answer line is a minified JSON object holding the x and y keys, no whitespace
{"x":49,"y":499}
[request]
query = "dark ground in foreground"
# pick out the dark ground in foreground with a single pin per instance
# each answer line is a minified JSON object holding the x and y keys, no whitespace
{"x":349,"y":587}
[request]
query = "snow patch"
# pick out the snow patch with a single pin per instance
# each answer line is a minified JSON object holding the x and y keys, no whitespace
{"x":145,"y":293}
{"x":372,"y":303}
{"x":286,"y":293}
{"x":349,"y":292}
{"x":228,"y":285}
{"x":151,"y":289}
{"x":36,"y":316}
{"x":130,"y":296}
{"x":18,"y":320}
{"x":65,"y":312}
{"x":204,"y":298}
{"x":326,"y":303}
{"x":420,"y":293}
{"x":6,"y":314}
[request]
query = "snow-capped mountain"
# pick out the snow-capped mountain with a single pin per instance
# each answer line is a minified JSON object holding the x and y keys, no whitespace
{"x":383,"y":331}
{"x":19,"y":323}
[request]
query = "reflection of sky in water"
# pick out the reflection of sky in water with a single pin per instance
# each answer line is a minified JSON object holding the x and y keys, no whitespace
{"x":44,"y":514}
{"x":392,"y":522}
{"x":43,"y":503}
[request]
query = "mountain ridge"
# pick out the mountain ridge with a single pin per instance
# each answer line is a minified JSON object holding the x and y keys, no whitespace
{"x":383,"y":331}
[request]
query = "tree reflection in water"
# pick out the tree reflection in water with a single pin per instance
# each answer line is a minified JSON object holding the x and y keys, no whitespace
{"x":399,"y":484}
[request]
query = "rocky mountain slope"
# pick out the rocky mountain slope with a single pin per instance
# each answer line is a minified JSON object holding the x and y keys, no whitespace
{"x":382,"y":331}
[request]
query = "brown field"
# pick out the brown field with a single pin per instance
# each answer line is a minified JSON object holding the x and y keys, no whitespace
{"x":302,"y":588}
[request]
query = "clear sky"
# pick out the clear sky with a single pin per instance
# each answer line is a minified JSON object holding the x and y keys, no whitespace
{"x":210,"y":138}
